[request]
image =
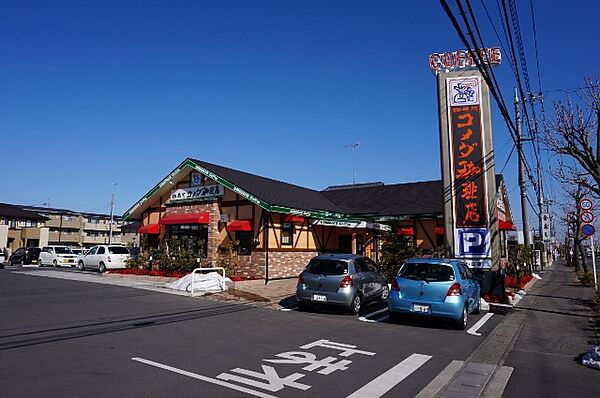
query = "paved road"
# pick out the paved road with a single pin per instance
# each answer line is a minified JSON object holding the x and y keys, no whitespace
{"x":65,"y":338}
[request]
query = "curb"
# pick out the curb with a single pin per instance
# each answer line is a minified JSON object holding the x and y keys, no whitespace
{"x":150,"y":278}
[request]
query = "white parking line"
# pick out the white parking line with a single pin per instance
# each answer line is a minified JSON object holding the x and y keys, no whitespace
{"x":386,"y":381}
{"x":479,"y":324}
{"x":289,"y":309}
{"x":203,"y":378}
{"x":376,"y":312}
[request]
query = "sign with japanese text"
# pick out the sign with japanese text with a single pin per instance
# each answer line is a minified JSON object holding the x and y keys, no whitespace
{"x":468,"y":162}
{"x":197,"y":193}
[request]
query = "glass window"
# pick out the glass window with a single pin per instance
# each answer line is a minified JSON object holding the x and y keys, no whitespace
{"x":327,"y":267}
{"x":189,"y":237}
{"x":118,"y":250}
{"x":371,"y":264}
{"x":100,"y":250}
{"x":62,"y":250}
{"x":287,"y":233}
{"x":360,"y":266}
{"x":245,"y":239}
{"x":430,"y":272}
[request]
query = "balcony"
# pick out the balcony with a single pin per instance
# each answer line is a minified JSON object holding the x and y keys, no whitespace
{"x":100,"y":240}
{"x":57,"y":223}
{"x":90,"y":226}
{"x":55,"y":236}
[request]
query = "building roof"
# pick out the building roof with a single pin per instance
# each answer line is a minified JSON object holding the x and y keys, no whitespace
{"x":397,"y":199}
{"x":358,"y":201}
{"x":16,"y":212}
{"x":272,"y":191}
{"x":53,"y":210}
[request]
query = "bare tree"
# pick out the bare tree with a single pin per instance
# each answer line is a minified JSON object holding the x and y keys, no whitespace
{"x":575,"y":183}
{"x":575,"y":131}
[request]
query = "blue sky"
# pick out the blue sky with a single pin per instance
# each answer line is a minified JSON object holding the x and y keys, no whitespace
{"x":122,"y":91}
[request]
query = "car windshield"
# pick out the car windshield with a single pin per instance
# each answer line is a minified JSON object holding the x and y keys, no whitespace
{"x":62,"y":250}
{"x":327,"y":267}
{"x":429,"y":272}
{"x":117,"y":250}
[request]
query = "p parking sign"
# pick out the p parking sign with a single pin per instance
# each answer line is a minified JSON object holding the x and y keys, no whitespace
{"x":472,"y":242}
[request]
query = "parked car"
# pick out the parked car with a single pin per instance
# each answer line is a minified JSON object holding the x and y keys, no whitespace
{"x":104,"y":257}
{"x":444,"y":288}
{"x":24,"y":256}
{"x":345,"y":280}
{"x":57,"y":256}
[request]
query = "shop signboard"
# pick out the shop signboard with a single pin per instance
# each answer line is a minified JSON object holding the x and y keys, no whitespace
{"x":462,"y":59}
{"x":196,"y":193}
{"x":468,"y":168}
{"x":352,"y":224}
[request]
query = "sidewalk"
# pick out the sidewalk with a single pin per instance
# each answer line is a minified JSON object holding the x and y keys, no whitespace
{"x":534,"y":351}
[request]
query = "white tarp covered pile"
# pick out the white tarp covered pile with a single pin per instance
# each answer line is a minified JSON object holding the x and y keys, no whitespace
{"x":209,"y":282}
{"x":592,"y":358}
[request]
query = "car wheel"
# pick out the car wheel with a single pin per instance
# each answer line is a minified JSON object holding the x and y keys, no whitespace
{"x":102,"y":268}
{"x":22,"y":263}
{"x":385,"y":292}
{"x":303,"y":306}
{"x":477,"y":309}
{"x":55,"y":264}
{"x":80,"y":266}
{"x":462,"y":322}
{"x":9,"y":263}
{"x":355,"y":305}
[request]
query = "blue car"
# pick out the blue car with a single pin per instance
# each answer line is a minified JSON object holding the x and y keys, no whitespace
{"x":435,"y":287}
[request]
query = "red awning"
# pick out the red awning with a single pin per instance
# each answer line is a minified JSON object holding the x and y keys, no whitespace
{"x":239,"y":225}
{"x":192,"y":218}
{"x":439,"y":230}
{"x":151,"y":229}
{"x":406,"y":231}
{"x":506,"y":226}
{"x":293,"y":218}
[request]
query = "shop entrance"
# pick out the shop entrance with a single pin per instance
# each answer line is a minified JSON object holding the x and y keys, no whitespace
{"x":345,"y":243}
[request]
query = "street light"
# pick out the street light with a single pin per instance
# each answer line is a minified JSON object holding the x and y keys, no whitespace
{"x":112,"y":210}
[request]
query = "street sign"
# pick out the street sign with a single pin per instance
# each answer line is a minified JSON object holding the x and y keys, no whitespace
{"x":587,"y":217}
{"x":546,"y":227}
{"x":588,"y":229}
{"x":586,"y":204}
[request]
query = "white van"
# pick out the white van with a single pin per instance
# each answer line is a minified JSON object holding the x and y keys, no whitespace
{"x":57,"y":256}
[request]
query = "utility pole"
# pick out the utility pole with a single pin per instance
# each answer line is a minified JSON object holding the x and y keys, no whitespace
{"x":522,"y":186}
{"x":112,"y":210}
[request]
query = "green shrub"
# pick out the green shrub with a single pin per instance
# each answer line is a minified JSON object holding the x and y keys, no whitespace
{"x":395,"y":250}
{"x":586,"y":279}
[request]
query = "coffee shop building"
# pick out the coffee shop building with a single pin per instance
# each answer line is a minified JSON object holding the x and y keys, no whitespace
{"x":275,"y":227}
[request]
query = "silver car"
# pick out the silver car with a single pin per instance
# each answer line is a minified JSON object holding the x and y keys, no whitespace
{"x":346,"y":280}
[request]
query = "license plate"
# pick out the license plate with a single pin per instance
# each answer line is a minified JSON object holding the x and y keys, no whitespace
{"x":67,"y":260}
{"x":420,"y":308}
{"x":319,"y":297}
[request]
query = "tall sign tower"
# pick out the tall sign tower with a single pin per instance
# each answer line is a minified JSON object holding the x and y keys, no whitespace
{"x":467,"y":155}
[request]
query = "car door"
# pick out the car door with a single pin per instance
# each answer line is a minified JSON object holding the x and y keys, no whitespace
{"x":466,"y":284}
{"x":99,"y":256}
{"x":475,"y":289}
{"x":363,"y":277}
{"x":89,"y":258}
{"x":44,"y":256}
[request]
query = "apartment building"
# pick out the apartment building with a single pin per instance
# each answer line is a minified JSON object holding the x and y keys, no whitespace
{"x":80,"y":229}
{"x":20,"y":228}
